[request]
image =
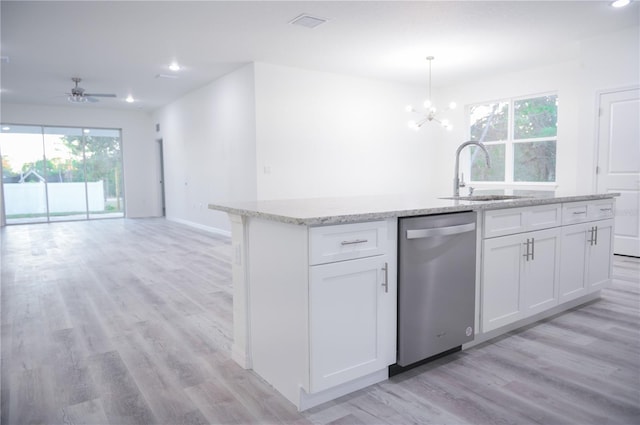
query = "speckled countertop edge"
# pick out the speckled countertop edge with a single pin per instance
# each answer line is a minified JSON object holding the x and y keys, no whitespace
{"x":453,"y":206}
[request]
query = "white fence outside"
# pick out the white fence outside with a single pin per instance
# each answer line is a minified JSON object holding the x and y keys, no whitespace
{"x":30,"y":198}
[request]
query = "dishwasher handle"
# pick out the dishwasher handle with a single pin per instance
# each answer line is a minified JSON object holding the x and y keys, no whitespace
{"x":440,"y":231}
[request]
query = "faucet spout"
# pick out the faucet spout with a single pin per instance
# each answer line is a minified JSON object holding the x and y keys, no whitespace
{"x":456,"y":178}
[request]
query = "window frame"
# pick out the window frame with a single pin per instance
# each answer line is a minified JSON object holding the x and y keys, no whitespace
{"x":509,"y":143}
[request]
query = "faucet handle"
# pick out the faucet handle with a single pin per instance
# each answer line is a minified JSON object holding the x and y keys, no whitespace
{"x":471,"y":190}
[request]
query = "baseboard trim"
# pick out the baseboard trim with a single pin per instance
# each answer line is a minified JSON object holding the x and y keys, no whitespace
{"x":199,"y":226}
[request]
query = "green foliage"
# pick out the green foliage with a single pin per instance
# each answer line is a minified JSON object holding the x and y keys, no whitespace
{"x":536,"y":162}
{"x":536,"y":117}
{"x":102,"y":162}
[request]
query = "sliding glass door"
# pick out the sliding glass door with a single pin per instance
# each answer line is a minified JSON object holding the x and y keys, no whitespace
{"x":61,"y":173}
{"x":23,"y":174}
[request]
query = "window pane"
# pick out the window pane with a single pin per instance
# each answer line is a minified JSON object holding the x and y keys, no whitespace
{"x":536,"y":117}
{"x":67,"y":196}
{"x":489,"y":122}
{"x":104,"y":173}
{"x":23,"y":174}
{"x":534,"y":162}
{"x":479,"y":170}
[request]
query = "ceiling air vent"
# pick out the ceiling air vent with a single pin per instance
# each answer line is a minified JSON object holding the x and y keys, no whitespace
{"x":308,"y":21}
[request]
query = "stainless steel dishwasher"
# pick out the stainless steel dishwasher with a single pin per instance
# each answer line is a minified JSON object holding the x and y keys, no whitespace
{"x":436,"y":284}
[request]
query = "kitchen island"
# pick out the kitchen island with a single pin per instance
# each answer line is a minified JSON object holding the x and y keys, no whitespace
{"x":315,"y":290}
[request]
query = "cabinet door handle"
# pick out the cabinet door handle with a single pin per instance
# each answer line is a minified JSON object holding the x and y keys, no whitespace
{"x":355,"y":241}
{"x":533,"y":248}
{"x":526,"y":255}
{"x":595,"y":238}
{"x":592,"y":237}
{"x":386,"y":277}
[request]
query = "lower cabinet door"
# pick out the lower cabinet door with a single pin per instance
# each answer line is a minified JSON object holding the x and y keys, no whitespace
{"x":540,"y":270}
{"x":351,"y":318}
{"x":600,"y":255}
{"x":573,"y":267}
{"x":501,"y":287}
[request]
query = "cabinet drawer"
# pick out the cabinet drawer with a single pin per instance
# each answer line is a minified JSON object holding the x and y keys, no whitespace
{"x":574,"y":212}
{"x":329,"y":244}
{"x":517,"y":220}
{"x":600,"y":210}
{"x":580,"y":212}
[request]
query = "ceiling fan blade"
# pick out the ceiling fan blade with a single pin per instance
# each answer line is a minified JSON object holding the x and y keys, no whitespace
{"x":91,"y":99}
{"x":100,"y":95}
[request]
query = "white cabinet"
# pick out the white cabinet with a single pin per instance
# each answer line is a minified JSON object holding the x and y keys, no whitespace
{"x":517,"y":220}
{"x":536,"y":258}
{"x":351,"y":314}
{"x":519,"y":276}
{"x":586,"y":258}
{"x":322,"y":306}
{"x":352,"y":298}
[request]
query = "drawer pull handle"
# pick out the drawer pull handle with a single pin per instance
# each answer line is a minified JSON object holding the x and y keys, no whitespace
{"x":606,"y":209}
{"x":579,"y":212}
{"x":353,"y":242}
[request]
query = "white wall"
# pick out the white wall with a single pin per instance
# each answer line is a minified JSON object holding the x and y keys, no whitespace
{"x":321,"y":134}
{"x":605,"y":63}
{"x":610,"y":62}
{"x":141,"y":167}
{"x":209,"y":149}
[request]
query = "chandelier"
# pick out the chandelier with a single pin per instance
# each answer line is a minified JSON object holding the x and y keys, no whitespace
{"x":429,"y":114}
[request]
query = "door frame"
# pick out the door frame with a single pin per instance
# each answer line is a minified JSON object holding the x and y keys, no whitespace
{"x":163,"y":199}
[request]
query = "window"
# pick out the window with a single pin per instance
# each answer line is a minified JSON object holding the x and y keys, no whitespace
{"x":520,"y":135}
{"x":60,"y":173}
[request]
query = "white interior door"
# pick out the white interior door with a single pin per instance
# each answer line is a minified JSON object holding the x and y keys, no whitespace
{"x":619,"y":164}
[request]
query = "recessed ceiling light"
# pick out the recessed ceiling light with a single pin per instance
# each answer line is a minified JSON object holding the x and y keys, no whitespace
{"x":620,"y":3}
{"x":129,"y":99}
{"x":308,"y":21}
{"x":174,"y":66}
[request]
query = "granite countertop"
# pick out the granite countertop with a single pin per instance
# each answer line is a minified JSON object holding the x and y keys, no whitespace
{"x":319,"y":211}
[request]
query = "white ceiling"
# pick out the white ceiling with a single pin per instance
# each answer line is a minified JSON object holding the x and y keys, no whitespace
{"x":120,"y":46}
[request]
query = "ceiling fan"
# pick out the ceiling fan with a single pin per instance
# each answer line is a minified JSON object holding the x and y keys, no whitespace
{"x":78,"y":95}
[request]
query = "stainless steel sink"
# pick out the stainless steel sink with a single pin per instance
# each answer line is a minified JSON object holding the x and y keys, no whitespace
{"x":485,"y":197}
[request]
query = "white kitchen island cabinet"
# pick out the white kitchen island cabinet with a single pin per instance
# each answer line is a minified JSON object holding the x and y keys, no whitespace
{"x":322,"y":306}
{"x":586,"y":248}
{"x":315,"y":291}
{"x":520,"y":265}
{"x":525,"y":273}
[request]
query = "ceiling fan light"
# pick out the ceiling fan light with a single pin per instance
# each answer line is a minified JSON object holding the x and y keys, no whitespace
{"x":129,"y":99}
{"x":174,"y":66}
{"x":74,"y":98}
{"x":427,"y":103}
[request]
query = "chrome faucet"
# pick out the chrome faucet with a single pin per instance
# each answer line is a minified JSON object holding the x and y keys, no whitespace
{"x":456,"y":178}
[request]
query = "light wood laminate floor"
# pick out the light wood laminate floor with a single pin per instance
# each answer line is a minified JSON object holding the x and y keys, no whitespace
{"x":129,"y":322}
